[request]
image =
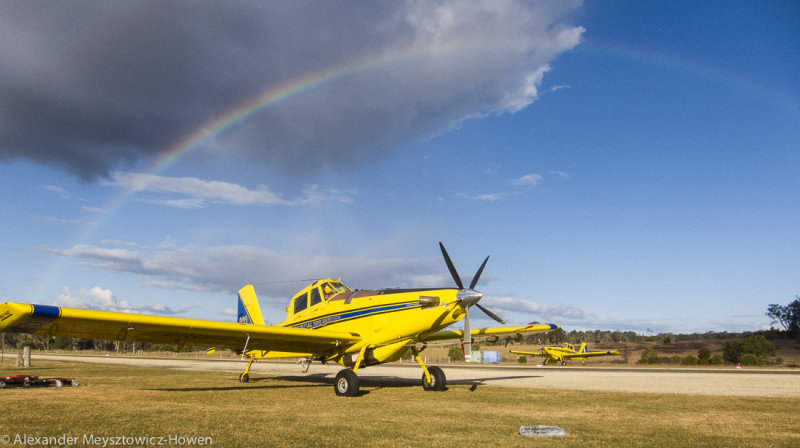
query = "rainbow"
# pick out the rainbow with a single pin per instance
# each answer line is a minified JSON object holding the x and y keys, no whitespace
{"x":269,"y":97}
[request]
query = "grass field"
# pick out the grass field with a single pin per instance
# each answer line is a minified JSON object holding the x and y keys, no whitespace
{"x":133,"y":401}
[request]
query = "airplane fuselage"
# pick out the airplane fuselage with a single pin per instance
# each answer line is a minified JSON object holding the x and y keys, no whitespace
{"x":389,"y":321}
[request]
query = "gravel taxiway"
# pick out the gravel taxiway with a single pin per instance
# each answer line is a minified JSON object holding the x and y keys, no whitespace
{"x":727,"y":381}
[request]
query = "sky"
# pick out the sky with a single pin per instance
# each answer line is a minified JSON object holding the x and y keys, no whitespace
{"x":626,"y":165}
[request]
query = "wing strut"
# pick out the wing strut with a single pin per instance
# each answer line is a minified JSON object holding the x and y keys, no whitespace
{"x":245,"y":346}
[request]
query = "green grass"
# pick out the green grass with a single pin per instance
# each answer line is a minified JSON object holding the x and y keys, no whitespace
{"x":292,"y":411}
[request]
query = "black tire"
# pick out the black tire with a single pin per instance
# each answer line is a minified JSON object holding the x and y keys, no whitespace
{"x":438,"y":379}
{"x":244,"y":378}
{"x":346,"y":384}
{"x":563,"y":363}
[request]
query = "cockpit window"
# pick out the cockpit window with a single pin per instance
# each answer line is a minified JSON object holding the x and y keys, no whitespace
{"x":300,"y":303}
{"x":340,"y":287}
{"x":330,"y":289}
{"x":314,"y":297}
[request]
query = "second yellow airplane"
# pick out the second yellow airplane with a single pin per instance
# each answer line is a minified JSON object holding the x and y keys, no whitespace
{"x":566,"y":351}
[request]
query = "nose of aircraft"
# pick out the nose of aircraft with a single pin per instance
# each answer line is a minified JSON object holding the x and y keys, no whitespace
{"x":468,"y":297}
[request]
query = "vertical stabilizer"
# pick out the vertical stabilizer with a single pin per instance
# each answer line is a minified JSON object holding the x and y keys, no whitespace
{"x":249,"y":311}
{"x":584,"y":348}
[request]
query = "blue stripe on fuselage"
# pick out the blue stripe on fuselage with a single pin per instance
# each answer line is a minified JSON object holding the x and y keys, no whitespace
{"x":326,"y":320}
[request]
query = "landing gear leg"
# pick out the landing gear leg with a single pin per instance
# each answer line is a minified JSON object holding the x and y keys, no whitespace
{"x":433,"y":377}
{"x":347,"y":384}
{"x":245,"y":376}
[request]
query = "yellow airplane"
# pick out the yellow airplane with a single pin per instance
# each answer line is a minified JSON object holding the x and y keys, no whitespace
{"x":326,"y":321}
{"x":565,"y":352}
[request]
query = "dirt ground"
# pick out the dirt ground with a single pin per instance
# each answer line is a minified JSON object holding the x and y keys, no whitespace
{"x":726,"y":381}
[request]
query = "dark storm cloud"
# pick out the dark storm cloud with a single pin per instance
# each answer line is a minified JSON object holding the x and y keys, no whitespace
{"x":91,"y":86}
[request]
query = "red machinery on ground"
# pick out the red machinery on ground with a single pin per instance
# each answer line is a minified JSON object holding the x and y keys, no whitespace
{"x":35,"y":381}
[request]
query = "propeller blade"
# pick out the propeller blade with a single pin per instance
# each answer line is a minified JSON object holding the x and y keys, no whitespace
{"x":478,"y":274}
{"x":491,"y":314}
{"x":450,"y":266}
{"x":466,"y":344}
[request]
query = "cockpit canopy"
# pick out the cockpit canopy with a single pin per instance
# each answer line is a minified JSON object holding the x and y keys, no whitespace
{"x":317,"y":292}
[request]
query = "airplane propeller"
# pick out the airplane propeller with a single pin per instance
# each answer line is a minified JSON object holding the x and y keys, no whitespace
{"x":467,"y":297}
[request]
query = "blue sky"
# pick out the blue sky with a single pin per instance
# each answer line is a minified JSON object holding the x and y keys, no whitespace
{"x":627,"y":165}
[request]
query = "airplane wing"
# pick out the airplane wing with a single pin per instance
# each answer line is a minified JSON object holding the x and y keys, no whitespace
{"x":589,"y":354}
{"x":105,"y":325}
{"x":517,"y":352}
{"x":569,"y":355}
{"x":491,"y":331}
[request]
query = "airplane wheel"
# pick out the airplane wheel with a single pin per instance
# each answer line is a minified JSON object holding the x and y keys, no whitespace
{"x":244,"y":378}
{"x":346,"y":384}
{"x":438,"y":380}
{"x":563,"y":363}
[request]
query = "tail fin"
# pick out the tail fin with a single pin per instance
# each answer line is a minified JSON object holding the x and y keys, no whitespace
{"x":584,"y":348}
{"x":249,"y":311}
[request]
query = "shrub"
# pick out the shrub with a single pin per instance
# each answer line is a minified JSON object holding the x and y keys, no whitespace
{"x":690,"y":360}
{"x":704,"y":355}
{"x":649,"y":356}
{"x":756,"y":345}
{"x":676,"y":359}
{"x":455,"y":353}
{"x":749,"y":359}
{"x":717,"y":360}
{"x":668,"y":340}
{"x":522,"y":359}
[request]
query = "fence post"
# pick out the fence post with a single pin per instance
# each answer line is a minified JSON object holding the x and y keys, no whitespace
{"x":24,"y":357}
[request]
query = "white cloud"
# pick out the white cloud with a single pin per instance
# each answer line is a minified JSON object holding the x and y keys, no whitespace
{"x":228,"y":268}
{"x":560,"y":174}
{"x":54,"y":220}
{"x":120,"y":243}
{"x":56,"y":189}
{"x":97,"y":298}
{"x":543,"y":310}
{"x":99,"y":253}
{"x":529,"y":180}
{"x":489,"y":197}
{"x":527,"y":92}
{"x":198,"y":193}
{"x":175,"y":203}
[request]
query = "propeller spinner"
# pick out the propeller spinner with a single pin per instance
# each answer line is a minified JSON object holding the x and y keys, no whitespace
{"x":467,"y":297}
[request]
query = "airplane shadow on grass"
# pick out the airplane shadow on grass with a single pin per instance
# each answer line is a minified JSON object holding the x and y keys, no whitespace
{"x":327,"y":380}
